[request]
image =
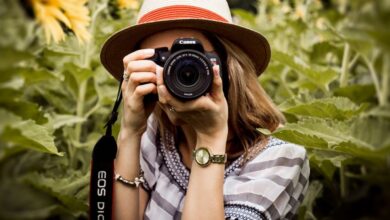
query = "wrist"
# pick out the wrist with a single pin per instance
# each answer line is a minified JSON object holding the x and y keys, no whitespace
{"x":126,"y":133}
{"x":128,"y":137}
{"x":216,"y":142}
{"x":132,"y":130}
{"x":220,"y":134}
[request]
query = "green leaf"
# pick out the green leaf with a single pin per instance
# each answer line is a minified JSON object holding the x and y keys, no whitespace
{"x":10,"y":57}
{"x":321,"y":78}
{"x":58,"y":97}
{"x":7,"y":118}
{"x":357,"y":93}
{"x":327,"y":162}
{"x":379,"y":111}
{"x":70,"y":190}
{"x":246,"y":16}
{"x":333,"y":108}
{"x":12,"y":100}
{"x":373,"y":130}
{"x":333,"y":136}
{"x":321,"y":50}
{"x":57,"y":121}
{"x":79,"y":73}
{"x":32,"y":76}
{"x":58,"y":50}
{"x":20,"y":201}
{"x":29,"y":135}
{"x":313,"y":192}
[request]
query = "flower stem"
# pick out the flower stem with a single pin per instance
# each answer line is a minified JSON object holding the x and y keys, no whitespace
{"x":375,"y":79}
{"x":86,"y":60}
{"x":385,"y":81}
{"x":354,"y":60}
{"x":343,"y":182}
{"x":80,"y":107}
{"x":284,"y":80}
{"x":345,"y":66}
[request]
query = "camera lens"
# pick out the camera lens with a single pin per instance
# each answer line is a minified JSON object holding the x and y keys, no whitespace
{"x":188,"y":74}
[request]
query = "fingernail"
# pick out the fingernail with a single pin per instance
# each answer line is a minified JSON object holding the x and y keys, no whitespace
{"x":218,"y":69}
{"x":158,"y":70}
{"x":149,"y":52}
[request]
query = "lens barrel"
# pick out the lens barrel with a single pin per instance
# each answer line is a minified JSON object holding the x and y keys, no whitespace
{"x":188,"y":74}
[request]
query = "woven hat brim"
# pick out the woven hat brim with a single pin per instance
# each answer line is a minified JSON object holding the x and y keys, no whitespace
{"x":124,"y":41}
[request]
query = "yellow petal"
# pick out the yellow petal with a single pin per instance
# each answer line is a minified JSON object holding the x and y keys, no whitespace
{"x":58,"y":14}
{"x":56,"y":30}
{"x":130,"y":4}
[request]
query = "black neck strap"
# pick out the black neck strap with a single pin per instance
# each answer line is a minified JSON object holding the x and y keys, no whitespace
{"x":102,"y":169}
{"x":114,"y":113}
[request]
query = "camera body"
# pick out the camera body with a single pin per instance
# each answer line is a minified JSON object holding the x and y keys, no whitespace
{"x":188,"y":69}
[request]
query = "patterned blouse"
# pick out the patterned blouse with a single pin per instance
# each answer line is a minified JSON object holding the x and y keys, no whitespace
{"x":270,"y":186}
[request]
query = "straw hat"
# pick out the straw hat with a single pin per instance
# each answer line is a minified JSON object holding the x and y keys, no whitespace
{"x":206,"y":15}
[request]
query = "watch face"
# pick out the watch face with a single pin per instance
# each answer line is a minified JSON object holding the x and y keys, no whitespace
{"x":202,"y":156}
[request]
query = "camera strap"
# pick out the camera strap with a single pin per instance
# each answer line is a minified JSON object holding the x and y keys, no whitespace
{"x":102,"y":169}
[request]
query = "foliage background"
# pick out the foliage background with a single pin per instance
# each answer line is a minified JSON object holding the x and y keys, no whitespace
{"x":329,"y":74}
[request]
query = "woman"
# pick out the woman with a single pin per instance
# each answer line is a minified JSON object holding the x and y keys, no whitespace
{"x":172,"y":141}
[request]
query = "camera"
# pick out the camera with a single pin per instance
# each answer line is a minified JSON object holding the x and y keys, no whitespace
{"x":188,"y":69}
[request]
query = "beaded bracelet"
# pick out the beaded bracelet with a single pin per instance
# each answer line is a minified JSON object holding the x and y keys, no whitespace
{"x":135,"y":183}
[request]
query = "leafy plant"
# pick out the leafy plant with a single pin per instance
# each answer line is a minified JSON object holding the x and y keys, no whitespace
{"x":54,"y":102}
{"x":329,"y":74}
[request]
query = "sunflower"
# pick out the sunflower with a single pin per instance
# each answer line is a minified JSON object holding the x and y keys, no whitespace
{"x":77,"y":13}
{"x":72,"y":13}
{"x":130,"y":4}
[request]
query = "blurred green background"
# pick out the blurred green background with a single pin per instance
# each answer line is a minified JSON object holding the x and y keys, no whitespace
{"x":329,"y":74}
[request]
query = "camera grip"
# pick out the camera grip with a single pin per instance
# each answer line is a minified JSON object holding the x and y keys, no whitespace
{"x":159,"y":57}
{"x":149,"y":98}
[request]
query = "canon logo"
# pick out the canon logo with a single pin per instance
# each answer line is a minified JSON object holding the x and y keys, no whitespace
{"x":187,"y":42}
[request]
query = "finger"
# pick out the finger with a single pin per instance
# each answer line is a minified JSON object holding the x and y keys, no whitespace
{"x":138,"y":78}
{"x":124,"y":87}
{"x":166,"y":98}
{"x":217,"y":86}
{"x":138,"y":55}
{"x":159,"y":74}
{"x":141,"y":66}
{"x":141,"y":91}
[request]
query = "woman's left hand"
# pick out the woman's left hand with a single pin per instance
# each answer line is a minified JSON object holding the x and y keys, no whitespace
{"x":207,"y":115}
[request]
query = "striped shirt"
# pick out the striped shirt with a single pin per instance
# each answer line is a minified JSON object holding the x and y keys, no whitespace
{"x":269,"y":186}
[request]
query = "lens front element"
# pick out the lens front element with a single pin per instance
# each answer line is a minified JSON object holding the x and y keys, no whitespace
{"x":188,"y":74}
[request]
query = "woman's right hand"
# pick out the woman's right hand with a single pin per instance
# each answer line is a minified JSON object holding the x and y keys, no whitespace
{"x":142,"y":81}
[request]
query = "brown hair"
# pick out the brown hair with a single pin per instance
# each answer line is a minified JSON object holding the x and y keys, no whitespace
{"x":249,"y":106}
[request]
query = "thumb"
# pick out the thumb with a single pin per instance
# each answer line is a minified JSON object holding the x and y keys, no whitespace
{"x":216,"y":89}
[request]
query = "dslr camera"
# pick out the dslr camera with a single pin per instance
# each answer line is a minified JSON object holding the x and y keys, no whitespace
{"x":188,"y":69}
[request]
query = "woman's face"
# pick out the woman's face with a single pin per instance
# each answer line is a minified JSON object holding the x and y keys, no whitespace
{"x":165,"y":39}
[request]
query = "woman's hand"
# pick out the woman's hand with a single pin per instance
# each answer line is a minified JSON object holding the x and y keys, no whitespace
{"x":141,"y":82}
{"x":207,"y":115}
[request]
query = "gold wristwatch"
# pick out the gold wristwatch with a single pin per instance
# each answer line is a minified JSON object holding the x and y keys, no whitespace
{"x":203,"y":157}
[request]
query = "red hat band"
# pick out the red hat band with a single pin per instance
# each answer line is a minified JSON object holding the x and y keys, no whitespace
{"x":180,"y":12}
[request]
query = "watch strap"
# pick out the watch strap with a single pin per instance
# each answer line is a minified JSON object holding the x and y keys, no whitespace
{"x":219,"y":158}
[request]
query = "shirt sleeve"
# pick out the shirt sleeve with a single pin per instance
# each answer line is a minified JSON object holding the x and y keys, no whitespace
{"x":271,"y":186}
{"x":149,"y":159}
